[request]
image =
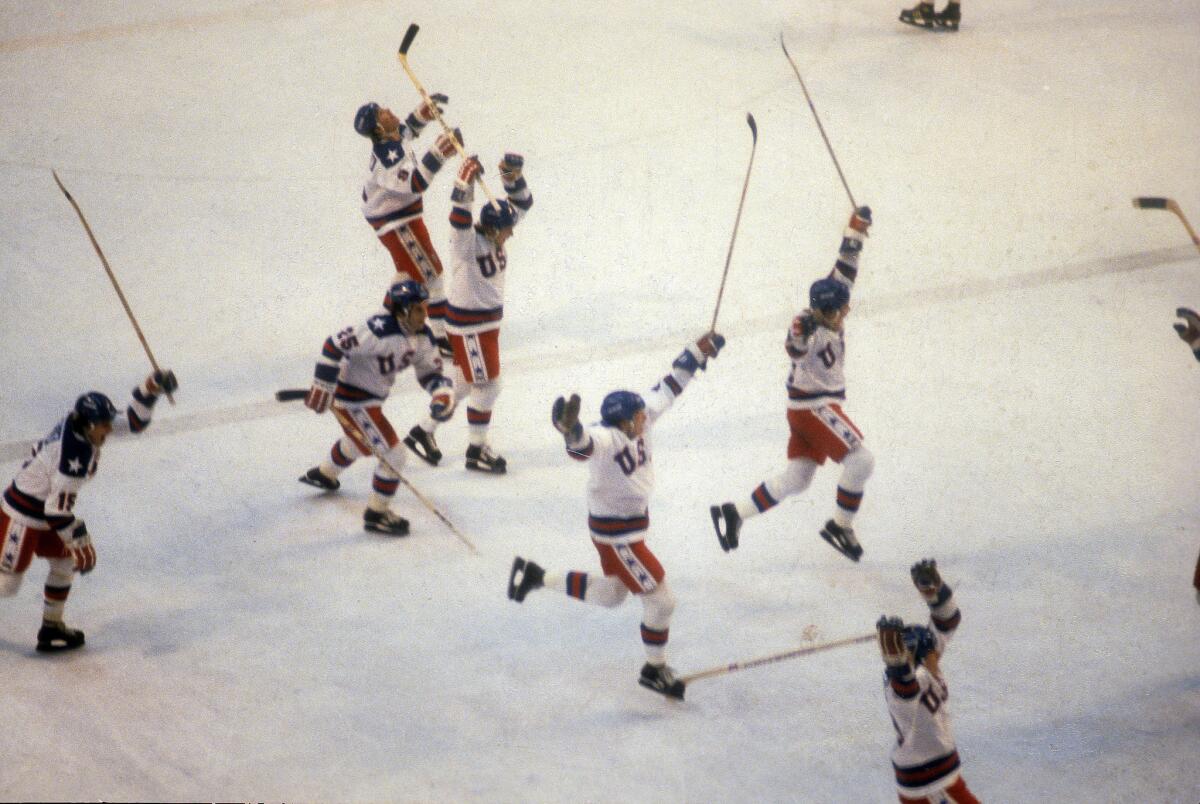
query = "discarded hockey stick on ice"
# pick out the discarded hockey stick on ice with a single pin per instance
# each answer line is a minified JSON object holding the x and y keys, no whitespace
{"x":778,"y":657}
{"x":405,"y":44}
{"x":1150,"y":202}
{"x":820,"y":127}
{"x":290,"y":394}
{"x":111,"y":277}
{"x":738,"y":219}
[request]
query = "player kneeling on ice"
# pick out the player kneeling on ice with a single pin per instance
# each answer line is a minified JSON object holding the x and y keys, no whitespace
{"x":622,"y":476}
{"x":819,"y":428}
{"x":354,"y":377}
{"x":37,"y":512}
{"x":924,"y":758}
{"x":476,"y":306}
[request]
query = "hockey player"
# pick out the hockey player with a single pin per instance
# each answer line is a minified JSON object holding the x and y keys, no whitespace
{"x":922,"y":15}
{"x":392,"y":197}
{"x":819,"y":427}
{"x":476,"y":306}
{"x":354,"y":377}
{"x":622,"y":476}
{"x":924,"y":758}
{"x":37,"y":512}
{"x":1189,"y":330}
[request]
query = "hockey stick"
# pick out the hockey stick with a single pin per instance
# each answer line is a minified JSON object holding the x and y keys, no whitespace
{"x":111,"y":277}
{"x":778,"y":657}
{"x":405,"y":44}
{"x":290,"y":394}
{"x":1169,"y":204}
{"x":738,"y":219}
{"x":820,"y":127}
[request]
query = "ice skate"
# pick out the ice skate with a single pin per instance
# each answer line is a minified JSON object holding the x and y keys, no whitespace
{"x":480,"y":458}
{"x":421,"y":442}
{"x":727,"y":514}
{"x":949,"y":17}
{"x":921,"y":15}
{"x":315,"y":477}
{"x":385,"y":522}
{"x":662,"y":680}
{"x":842,"y":540}
{"x":524,"y":577}
{"x":56,"y":636}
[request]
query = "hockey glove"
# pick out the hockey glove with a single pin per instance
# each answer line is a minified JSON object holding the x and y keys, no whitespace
{"x":860,"y":220}
{"x":468,"y":171}
{"x":1189,"y":332}
{"x":319,"y":396}
{"x":710,"y":344}
{"x":431,"y":108}
{"x":891,"y":641}
{"x":441,"y":405}
{"x":565,"y":416}
{"x":927,"y":579}
{"x":161,"y":382}
{"x":444,"y":146}
{"x":79,"y":545}
{"x":510,"y":168}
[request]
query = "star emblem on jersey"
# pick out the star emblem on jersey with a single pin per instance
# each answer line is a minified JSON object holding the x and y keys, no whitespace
{"x":377,"y":324}
{"x":74,"y":465}
{"x":393,"y":155}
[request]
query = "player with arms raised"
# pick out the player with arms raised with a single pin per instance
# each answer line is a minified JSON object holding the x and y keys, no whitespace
{"x":819,"y":428}
{"x":621,"y":479}
{"x":37,"y":512}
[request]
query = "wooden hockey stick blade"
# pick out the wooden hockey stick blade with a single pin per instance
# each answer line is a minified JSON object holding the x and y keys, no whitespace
{"x":1150,"y":202}
{"x":290,"y":394}
{"x":409,"y":36}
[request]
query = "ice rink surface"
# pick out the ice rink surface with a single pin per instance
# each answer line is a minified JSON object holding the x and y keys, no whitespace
{"x":1035,"y":419}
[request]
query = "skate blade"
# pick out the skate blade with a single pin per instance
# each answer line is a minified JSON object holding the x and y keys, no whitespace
{"x":417,"y":450}
{"x":317,"y":485}
{"x":674,"y":692}
{"x":495,"y":470}
{"x":715,"y":512}
{"x":513,"y":583}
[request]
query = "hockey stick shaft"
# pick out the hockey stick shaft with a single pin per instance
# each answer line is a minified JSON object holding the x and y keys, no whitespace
{"x":111,"y":276}
{"x":290,"y":394}
{"x":405,"y":44}
{"x":777,"y":657}
{"x":1169,"y":204}
{"x":817,"y":118}
{"x":737,"y":220}
{"x":425,"y":501}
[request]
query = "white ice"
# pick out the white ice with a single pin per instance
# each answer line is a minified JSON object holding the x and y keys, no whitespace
{"x":1012,"y":363}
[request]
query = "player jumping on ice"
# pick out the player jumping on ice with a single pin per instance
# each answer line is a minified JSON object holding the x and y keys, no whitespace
{"x":819,"y":428}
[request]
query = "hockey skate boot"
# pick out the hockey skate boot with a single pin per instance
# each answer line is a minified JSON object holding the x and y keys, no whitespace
{"x":481,"y":459}
{"x":662,"y":680}
{"x":56,"y":636}
{"x":315,"y":477}
{"x":385,"y":522}
{"x":920,"y":15}
{"x":732,"y":521}
{"x":524,"y":577}
{"x":421,"y":441}
{"x":842,"y":540}
{"x":949,"y":17}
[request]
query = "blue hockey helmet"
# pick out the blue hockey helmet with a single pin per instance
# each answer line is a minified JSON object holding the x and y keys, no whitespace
{"x":366,"y":119}
{"x":919,"y":641}
{"x":498,"y":215}
{"x":403,"y":295}
{"x":620,"y":406}
{"x":828,"y":295}
{"x":94,"y":408}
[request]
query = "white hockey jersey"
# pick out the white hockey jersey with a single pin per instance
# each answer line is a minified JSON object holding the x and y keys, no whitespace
{"x":924,"y":758}
{"x":396,"y":181}
{"x":365,"y":360}
{"x":475,"y":297}
{"x":621,"y":474}
{"x":817,"y":372}
{"x":43,"y":493}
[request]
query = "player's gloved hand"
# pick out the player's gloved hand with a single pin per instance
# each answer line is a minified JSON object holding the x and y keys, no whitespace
{"x":710,"y":344}
{"x":319,"y":396}
{"x":444,"y":145}
{"x":431,"y":108}
{"x":860,"y":220}
{"x":468,"y":171}
{"x":927,"y":579}
{"x":803,"y":327}
{"x":441,"y":405}
{"x":79,"y":545}
{"x":891,"y":641}
{"x":161,"y":382}
{"x":565,"y":416}
{"x":445,"y":350}
{"x":510,"y":168}
{"x":1189,"y":331}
